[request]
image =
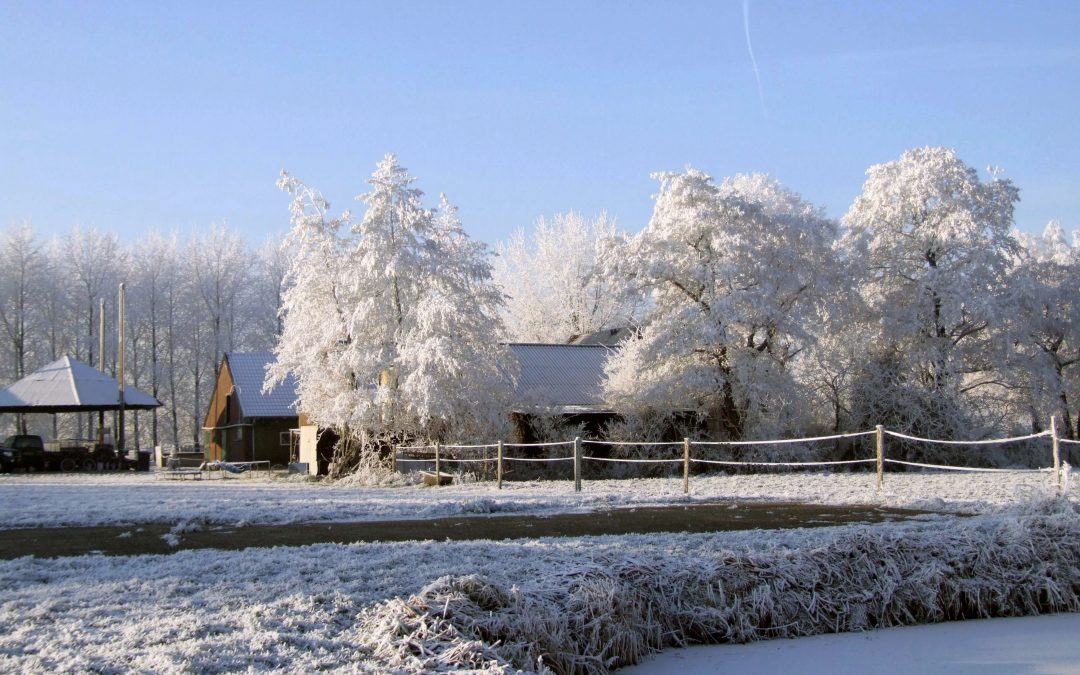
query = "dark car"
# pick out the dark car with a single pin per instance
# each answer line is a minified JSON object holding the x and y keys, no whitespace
{"x":22,"y":452}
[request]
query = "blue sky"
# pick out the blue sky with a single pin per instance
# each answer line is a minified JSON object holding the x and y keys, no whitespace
{"x":140,"y":115}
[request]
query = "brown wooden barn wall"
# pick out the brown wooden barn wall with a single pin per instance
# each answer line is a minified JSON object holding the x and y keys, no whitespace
{"x":259,"y":439}
{"x":222,"y":411}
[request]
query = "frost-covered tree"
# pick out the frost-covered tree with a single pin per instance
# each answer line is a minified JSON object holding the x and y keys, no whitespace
{"x":220,"y":267}
{"x":22,"y":279}
{"x":94,"y":262}
{"x":935,"y":247}
{"x":734,"y":274}
{"x":829,"y":372}
{"x":151,"y":275}
{"x":315,"y":309}
{"x":268,"y":287}
{"x":553,"y":283}
{"x":392,"y":330}
{"x":1045,"y":328}
{"x":453,"y":374}
{"x":22,"y":283}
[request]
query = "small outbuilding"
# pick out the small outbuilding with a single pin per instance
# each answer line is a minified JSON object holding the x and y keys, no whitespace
{"x":245,"y":424}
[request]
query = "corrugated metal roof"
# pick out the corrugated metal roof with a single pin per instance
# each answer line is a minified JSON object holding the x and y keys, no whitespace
{"x":560,"y":375}
{"x":248,"y":373}
{"x":69,"y":385}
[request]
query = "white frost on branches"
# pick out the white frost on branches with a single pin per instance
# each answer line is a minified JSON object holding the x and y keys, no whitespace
{"x":1045,"y":329}
{"x":552,"y":281}
{"x":735,"y":274}
{"x":391,"y":328}
{"x":935,"y":244}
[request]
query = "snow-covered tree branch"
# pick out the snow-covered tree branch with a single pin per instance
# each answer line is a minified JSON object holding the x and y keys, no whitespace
{"x":736,"y":274}
{"x":392,"y":327}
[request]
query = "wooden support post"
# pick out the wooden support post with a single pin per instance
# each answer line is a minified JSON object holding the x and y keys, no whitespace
{"x":686,"y":466}
{"x":394,"y":456}
{"x":879,"y":437}
{"x":119,"y":436}
{"x":1056,"y":446}
{"x":438,"y":472}
{"x":499,"y":467}
{"x":101,"y":367}
{"x":577,"y":465}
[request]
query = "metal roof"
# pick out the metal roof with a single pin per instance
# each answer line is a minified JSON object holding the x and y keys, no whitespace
{"x":549,"y":376}
{"x":248,"y":371}
{"x":560,"y":376}
{"x":69,"y":385}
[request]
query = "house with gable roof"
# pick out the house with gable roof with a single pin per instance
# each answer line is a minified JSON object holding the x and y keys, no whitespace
{"x":244,"y":424}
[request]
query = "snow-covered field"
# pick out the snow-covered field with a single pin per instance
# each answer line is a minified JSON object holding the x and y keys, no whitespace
{"x":86,"y":499}
{"x":320,"y":607}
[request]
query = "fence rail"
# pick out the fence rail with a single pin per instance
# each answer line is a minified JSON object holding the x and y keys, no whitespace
{"x":437,"y":453}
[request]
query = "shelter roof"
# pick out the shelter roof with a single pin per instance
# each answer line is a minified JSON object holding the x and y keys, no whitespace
{"x":69,"y":385}
{"x":248,"y":371}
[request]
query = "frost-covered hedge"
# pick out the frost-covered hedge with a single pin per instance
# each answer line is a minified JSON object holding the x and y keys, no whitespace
{"x":615,"y":608}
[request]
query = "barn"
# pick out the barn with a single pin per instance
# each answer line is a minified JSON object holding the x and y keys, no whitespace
{"x":244,"y":424}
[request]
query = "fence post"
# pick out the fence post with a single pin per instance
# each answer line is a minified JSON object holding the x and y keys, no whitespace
{"x":879,"y":437}
{"x":1056,"y":445}
{"x":498,"y":467}
{"x":686,"y":466}
{"x":577,"y":464}
{"x":438,"y":473}
{"x":395,"y":458}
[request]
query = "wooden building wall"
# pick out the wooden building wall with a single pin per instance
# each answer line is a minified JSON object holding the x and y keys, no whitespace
{"x":222,"y":412}
{"x":229,"y":437}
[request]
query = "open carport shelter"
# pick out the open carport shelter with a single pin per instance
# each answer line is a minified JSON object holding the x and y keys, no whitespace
{"x":68,"y":385}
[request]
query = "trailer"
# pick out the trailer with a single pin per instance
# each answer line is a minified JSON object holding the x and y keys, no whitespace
{"x":86,"y":457}
{"x":28,"y":453}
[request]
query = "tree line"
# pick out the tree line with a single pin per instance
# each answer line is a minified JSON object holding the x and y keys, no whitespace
{"x":751,"y":312}
{"x":188,"y":300}
{"x":922,"y":308}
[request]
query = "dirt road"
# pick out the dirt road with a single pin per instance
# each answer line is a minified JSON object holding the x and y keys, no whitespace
{"x":148,"y":538}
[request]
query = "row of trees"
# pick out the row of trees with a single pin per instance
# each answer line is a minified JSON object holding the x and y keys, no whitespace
{"x":753,"y":312}
{"x":921,"y":308}
{"x":187,"y":302}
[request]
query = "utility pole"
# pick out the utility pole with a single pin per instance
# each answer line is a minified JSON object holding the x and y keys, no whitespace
{"x":120,"y":374}
{"x":101,"y":367}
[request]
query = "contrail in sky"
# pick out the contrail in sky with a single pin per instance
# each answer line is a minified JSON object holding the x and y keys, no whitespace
{"x":753,"y":61}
